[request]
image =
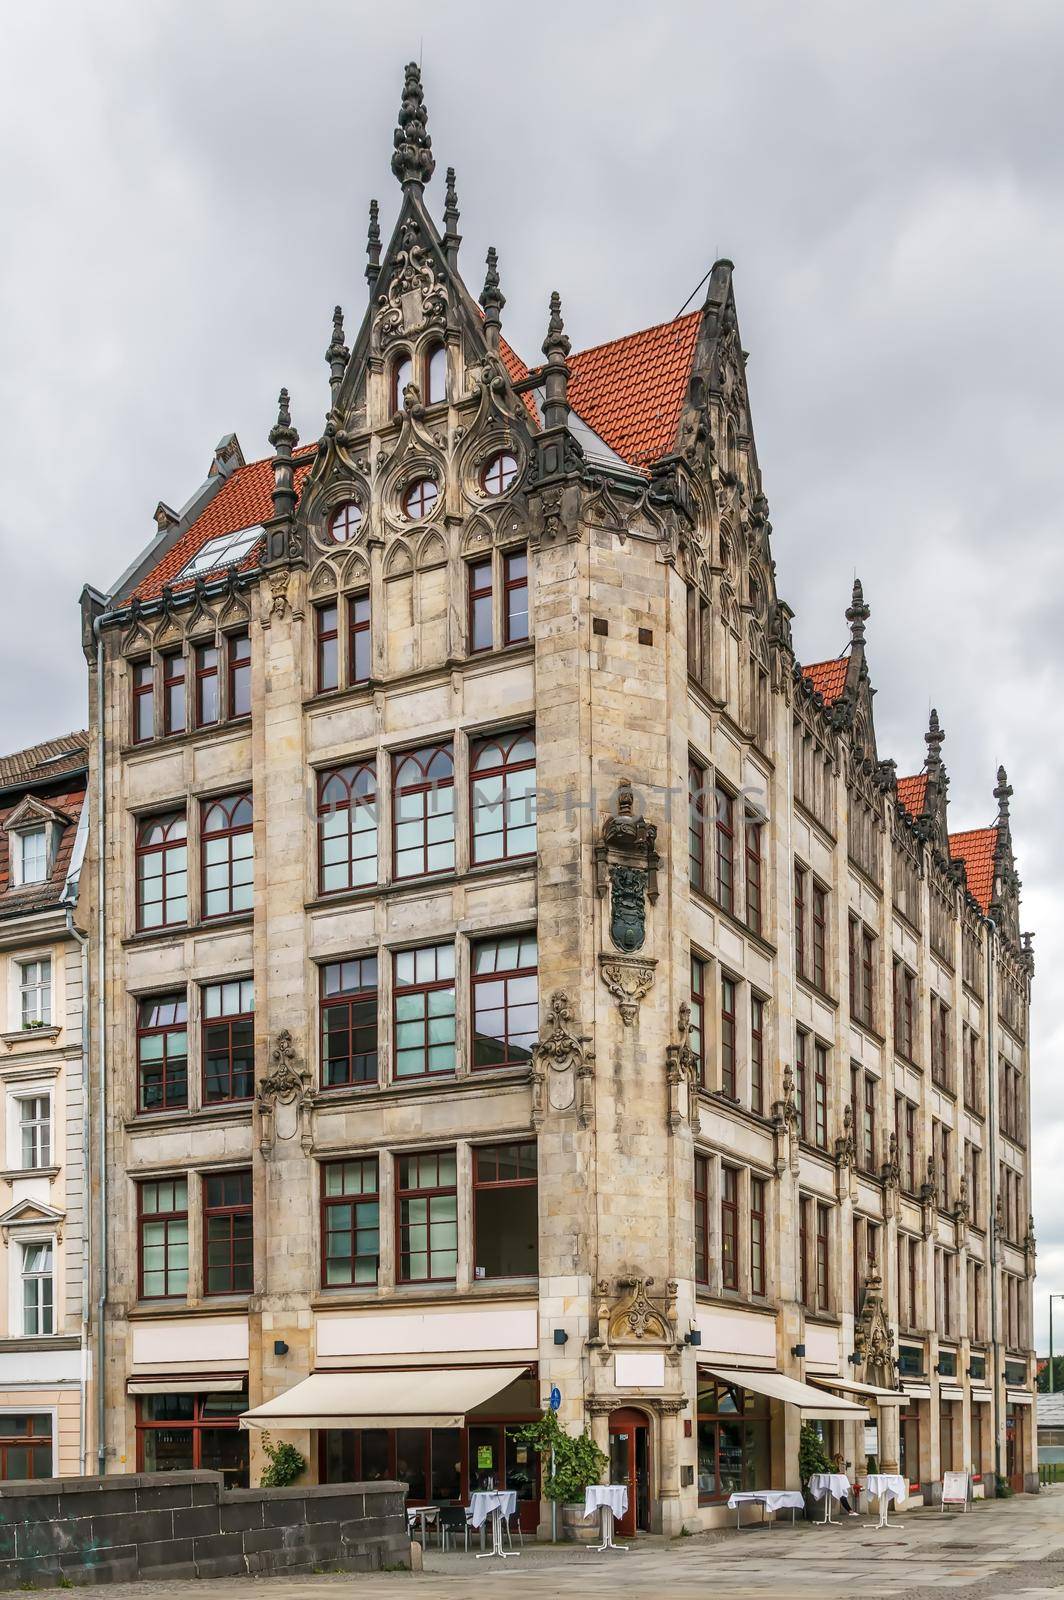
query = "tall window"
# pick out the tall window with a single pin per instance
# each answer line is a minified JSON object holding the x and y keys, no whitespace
{"x":503,"y":797}
{"x":515,"y":596}
{"x":162,"y":1052}
{"x":729,"y":1227}
{"x":697,"y":1039}
{"x":904,"y":1010}
{"x":350,"y":1222}
{"x":423,"y":811}
{"x":227,"y":1233}
{"x":143,"y":701}
{"x":208,"y":702}
{"x":724,"y":835}
{"x":239,"y":652}
{"x":757,"y":1054}
{"x":804,"y":1206}
{"x":823,"y":1281}
{"x":505,"y":1211}
{"x":424,"y":1011}
{"x":734,"y":1451}
{"x":349,"y":1022}
{"x":162,"y":872}
{"x":480,"y":605}
{"x":359,"y":639}
{"x":801,"y":890}
{"x":868,"y":1125}
{"x":35,"y":992}
{"x":696,"y":824}
{"x":801,"y":1074}
{"x":427,"y":1217}
{"x":228,"y":1041}
{"x":701,"y":1220}
{"x":38,"y":1311}
{"x":174,"y":708}
{"x":35,"y":1131}
{"x":753,"y":876}
{"x":866,"y":982}
{"x":227,"y":845}
{"x":505,"y":1001}
{"x":162,"y":1221}
{"x":347,"y":828}
{"x":820,"y":1095}
{"x":327,"y":646}
{"x":32,"y":856}
{"x":939,"y":1042}
{"x":435,"y":375}
{"x":402,"y":374}
{"x":820,"y":937}
{"x":757,"y":1235}
{"x":727,"y":1036}
{"x":970,"y":1051}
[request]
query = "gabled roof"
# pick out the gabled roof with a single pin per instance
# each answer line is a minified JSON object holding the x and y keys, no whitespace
{"x":828,"y":677}
{"x":631,"y":390}
{"x":977,"y":849}
{"x":912,"y":792}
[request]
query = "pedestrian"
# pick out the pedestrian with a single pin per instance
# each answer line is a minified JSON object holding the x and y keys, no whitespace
{"x":840,"y":1465}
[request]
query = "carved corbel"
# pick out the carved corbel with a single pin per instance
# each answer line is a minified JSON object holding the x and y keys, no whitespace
{"x":629,"y":981}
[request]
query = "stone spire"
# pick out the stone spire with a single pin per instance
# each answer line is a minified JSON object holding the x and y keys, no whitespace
{"x":373,"y":246}
{"x":556,"y":347}
{"x":933,"y":739}
{"x":337,"y":353}
{"x":1002,"y":794}
{"x":493,"y":300}
{"x":857,"y":614}
{"x":412,"y":160}
{"x":284,"y":438}
{"x":451,"y":237}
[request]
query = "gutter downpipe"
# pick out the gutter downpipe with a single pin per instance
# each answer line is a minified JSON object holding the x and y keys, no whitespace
{"x":83,"y":943}
{"x":991,"y":1125}
{"x":101,"y":1053}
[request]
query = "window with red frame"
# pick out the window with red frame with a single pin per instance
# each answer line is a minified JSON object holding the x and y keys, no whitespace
{"x":208,"y":704}
{"x":696,"y":824}
{"x":729,"y":1227}
{"x":803,"y":1250}
{"x":194,"y":1432}
{"x":820,"y":937}
{"x":505,"y":1211}
{"x":327,"y":646}
{"x":359,"y":639}
{"x":820,"y":1096}
{"x":345,"y":522}
{"x":727,"y":1036}
{"x":515,"y":596}
{"x":499,"y":474}
{"x":505,"y":1001}
{"x":143,"y":701}
{"x":228,"y":1031}
{"x":238,"y":651}
{"x":480,"y":606}
{"x":347,"y":828}
{"x":697,"y":1037}
{"x":423,"y":811}
{"x":162,"y":872}
{"x":175,"y":714}
{"x":757,"y":1054}
{"x":25,"y":1445}
{"x":424,"y":1011}
{"x":435,"y":374}
{"x":503,"y":797}
{"x":823,"y":1258}
{"x":227,"y":1233}
{"x":868,"y":969}
{"x":426,"y":1202}
{"x":349,"y":1022}
{"x":757,"y":1235}
{"x":753,"y":876}
{"x":724,"y":836}
{"x":162,"y":1053}
{"x":801,"y":1075}
{"x":350,"y":1222}
{"x":800,"y":892}
{"x":868,"y":1125}
{"x":227,"y":851}
{"x":420,"y":499}
{"x":162,"y":1232}
{"x":904,"y":1010}
{"x":701,"y":1220}
{"x":939,"y":1042}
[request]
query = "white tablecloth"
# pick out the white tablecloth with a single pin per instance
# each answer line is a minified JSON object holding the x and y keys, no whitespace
{"x":892,"y":1484}
{"x":483,"y":1503}
{"x":614,"y":1495}
{"x":771,"y":1499}
{"x":836,"y":1484}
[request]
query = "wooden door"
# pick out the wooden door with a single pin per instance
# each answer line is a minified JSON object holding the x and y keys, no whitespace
{"x":630,"y":1465}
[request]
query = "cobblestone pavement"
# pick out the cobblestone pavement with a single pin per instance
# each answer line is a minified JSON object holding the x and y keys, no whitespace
{"x":1011,"y":1548}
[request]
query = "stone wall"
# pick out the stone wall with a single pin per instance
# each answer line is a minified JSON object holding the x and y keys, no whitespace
{"x":184,"y":1525}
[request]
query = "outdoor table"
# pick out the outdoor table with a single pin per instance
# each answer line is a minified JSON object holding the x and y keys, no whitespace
{"x":828,"y":1486}
{"x":496,"y":1503}
{"x":769,"y":1499}
{"x":422,"y":1515}
{"x":885,"y":1487}
{"x":610,"y":1500}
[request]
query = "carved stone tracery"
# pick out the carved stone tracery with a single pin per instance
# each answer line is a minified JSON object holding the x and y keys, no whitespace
{"x":563,"y":1064}
{"x":284,"y":1098}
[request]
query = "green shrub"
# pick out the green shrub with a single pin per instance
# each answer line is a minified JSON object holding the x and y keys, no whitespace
{"x":285,"y":1464}
{"x":577,"y":1462}
{"x":812,"y":1457}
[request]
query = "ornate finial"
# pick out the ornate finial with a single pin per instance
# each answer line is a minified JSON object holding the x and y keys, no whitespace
{"x":556,"y":339}
{"x":337,"y":353}
{"x":857,"y":614}
{"x":933,"y":739}
{"x":373,"y":246}
{"x":1002,"y":795}
{"x":451,"y":237}
{"x":556,"y":347}
{"x":283,"y":437}
{"x":282,"y":433}
{"x":492,"y":299}
{"x":412,"y":160}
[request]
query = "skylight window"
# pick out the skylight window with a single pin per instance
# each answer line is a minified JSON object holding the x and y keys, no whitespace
{"x":222,"y":551}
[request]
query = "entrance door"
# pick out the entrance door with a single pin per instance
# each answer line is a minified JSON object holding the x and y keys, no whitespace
{"x":1015,"y":1448}
{"x":630,"y":1464}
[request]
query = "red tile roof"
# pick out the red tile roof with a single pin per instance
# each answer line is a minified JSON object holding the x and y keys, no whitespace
{"x":976,"y":849}
{"x":912,"y":792}
{"x":43,"y":762}
{"x":18,"y":902}
{"x":517,"y":370}
{"x":631,"y":390}
{"x":828,"y":677}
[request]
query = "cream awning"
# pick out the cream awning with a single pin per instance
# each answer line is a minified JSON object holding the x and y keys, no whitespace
{"x":882,"y":1397}
{"x":812,"y":1403}
{"x":436,"y":1397}
{"x":197,"y":1384}
{"x":981,"y":1397}
{"x":949,"y":1391}
{"x":1019,"y":1397}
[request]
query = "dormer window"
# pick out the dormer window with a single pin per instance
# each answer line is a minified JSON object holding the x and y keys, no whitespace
{"x":499,"y":473}
{"x":402,"y":374}
{"x":435,"y":374}
{"x":420,"y":499}
{"x":345,"y":522}
{"x":31,"y":852}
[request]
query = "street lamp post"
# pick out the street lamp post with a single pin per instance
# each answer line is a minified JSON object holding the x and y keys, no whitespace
{"x":1052,"y":1382}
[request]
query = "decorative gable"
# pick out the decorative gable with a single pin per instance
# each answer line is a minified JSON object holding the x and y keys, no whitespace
{"x":31,"y":1216}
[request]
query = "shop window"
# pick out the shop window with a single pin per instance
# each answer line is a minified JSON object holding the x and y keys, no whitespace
{"x":505,"y":1211}
{"x":194,"y":1433}
{"x":733,"y":1441}
{"x":909,"y":1446}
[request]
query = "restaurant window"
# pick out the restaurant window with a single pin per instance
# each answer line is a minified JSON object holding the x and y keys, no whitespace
{"x":727,"y":1037}
{"x":503,"y":797}
{"x":733,"y":1441}
{"x":515,"y":596}
{"x":162,"y":1216}
{"x":757,"y":1054}
{"x":349,"y":1022}
{"x":701,"y":1219}
{"x":238,"y":651}
{"x":194,"y":1433}
{"x":820,"y":937}
{"x":758,"y":1192}
{"x":208,"y":707}
{"x":729,"y":1227}
{"x":162,"y":872}
{"x":174,"y":707}
{"x":696,"y":824}
{"x":162,"y":1053}
{"x":754,"y":905}
{"x":820,"y":1095}
{"x":227,"y":846}
{"x":347,"y":828}
{"x":505,"y":1211}
{"x":359,"y":639}
{"x":228,"y":1041}
{"x":25,"y":1445}
{"x":427,"y":1217}
{"x":724,"y":838}
{"x":505,"y":1001}
{"x":424,"y":1011}
{"x":823,"y":1258}
{"x":350,"y":1222}
{"x":423,"y":811}
{"x":697,"y":1038}
{"x":327,"y":646}
{"x":143,"y":701}
{"x":227,"y":1233}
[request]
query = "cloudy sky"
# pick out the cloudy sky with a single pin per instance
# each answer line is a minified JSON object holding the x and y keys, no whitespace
{"x":184,"y":200}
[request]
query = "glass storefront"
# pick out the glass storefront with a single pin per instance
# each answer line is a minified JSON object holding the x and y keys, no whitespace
{"x":734,"y":1449}
{"x":186,"y":1432}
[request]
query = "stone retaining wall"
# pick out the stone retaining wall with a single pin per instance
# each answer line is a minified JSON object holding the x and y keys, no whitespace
{"x":185,"y":1525}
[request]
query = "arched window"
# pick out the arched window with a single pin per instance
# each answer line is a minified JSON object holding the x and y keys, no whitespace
{"x":402,"y":373}
{"x":503,"y":794}
{"x":435,"y":374}
{"x":345,"y":522}
{"x":226,"y":854}
{"x":420,"y":498}
{"x":423,"y":811}
{"x":347,"y":828}
{"x":499,"y":473}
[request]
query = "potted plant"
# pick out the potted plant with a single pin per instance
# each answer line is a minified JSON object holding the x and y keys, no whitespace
{"x":569,"y":1463}
{"x":812,"y":1457}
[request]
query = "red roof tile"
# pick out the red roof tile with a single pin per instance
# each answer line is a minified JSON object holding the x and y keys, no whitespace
{"x":976,"y":849}
{"x":631,"y":390}
{"x":912,"y":793}
{"x":828,"y":677}
{"x":43,"y":762}
{"x":16,"y":902}
{"x":517,"y":370}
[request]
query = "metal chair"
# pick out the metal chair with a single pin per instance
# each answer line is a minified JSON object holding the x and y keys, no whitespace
{"x":508,"y":1523}
{"x":453,"y":1521}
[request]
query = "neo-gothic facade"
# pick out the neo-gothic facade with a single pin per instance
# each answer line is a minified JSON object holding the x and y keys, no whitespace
{"x":515,"y":962}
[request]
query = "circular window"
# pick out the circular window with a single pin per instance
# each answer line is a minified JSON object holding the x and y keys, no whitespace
{"x":420,"y":498}
{"x":345,"y":522}
{"x":499,"y":473}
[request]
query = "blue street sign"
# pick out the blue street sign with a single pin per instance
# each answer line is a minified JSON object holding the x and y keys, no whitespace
{"x":555,"y":1398}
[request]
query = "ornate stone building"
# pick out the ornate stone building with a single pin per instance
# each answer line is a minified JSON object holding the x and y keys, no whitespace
{"x":519,"y":973}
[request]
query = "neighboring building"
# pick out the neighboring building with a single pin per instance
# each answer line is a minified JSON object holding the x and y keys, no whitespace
{"x":1051,"y":1435}
{"x":675,"y":1105}
{"x":43,"y":1221}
